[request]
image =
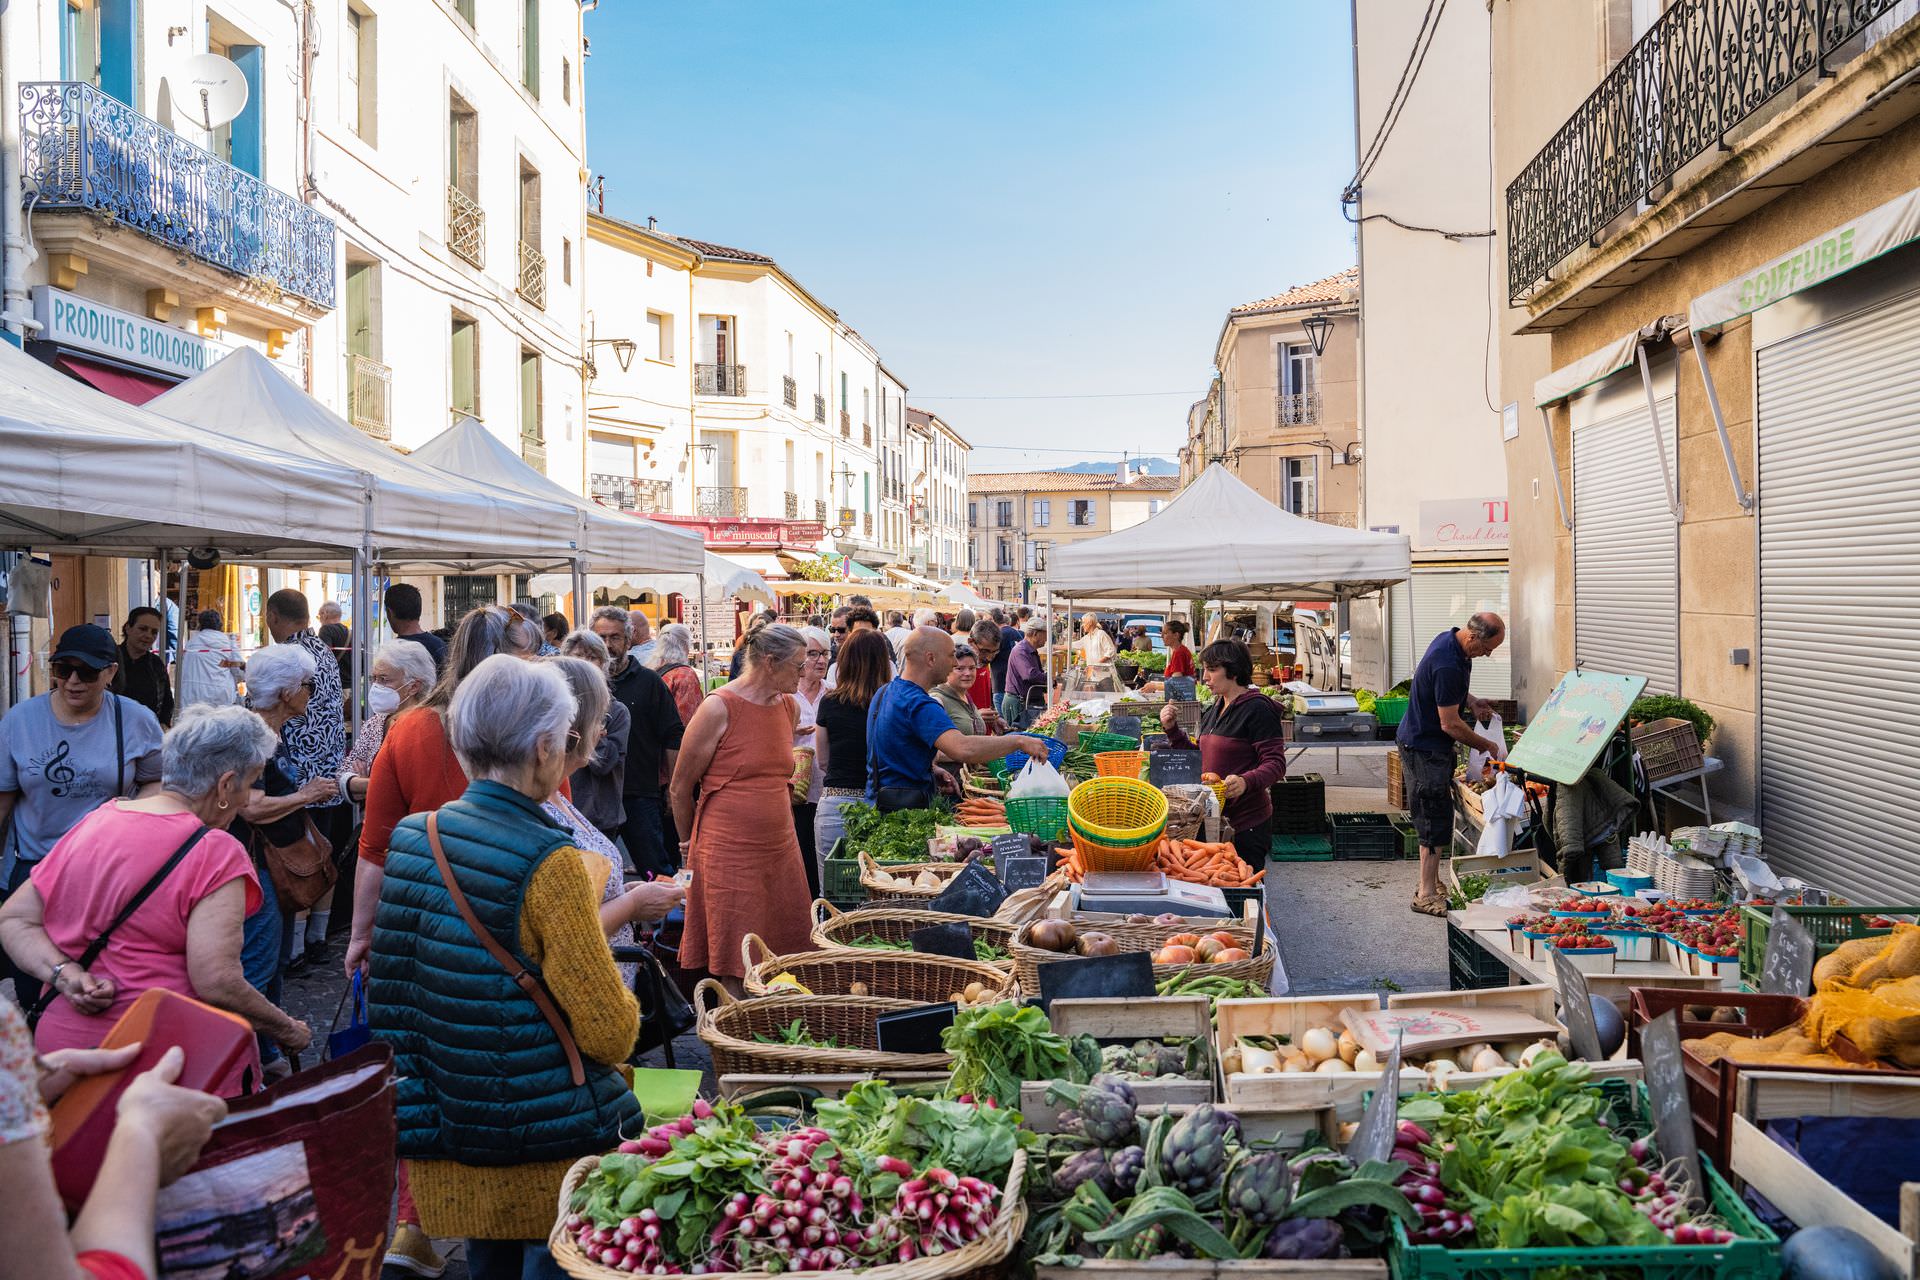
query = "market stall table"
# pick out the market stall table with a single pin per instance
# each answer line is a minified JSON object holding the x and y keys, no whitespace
{"x":1487,"y":926}
{"x":1665,"y":786}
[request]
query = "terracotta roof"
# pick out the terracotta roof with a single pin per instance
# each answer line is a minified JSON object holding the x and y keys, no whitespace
{"x":711,"y":250}
{"x":1334,"y":288}
{"x":1054,"y":481}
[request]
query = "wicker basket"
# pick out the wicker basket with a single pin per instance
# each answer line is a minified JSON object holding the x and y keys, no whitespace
{"x":1118,"y":810}
{"x":1027,"y":958}
{"x":1120,"y":764}
{"x":832,"y":928}
{"x":729,"y":1028}
{"x":1669,"y":748}
{"x":871,"y":871}
{"x":890,"y":975}
{"x":985,"y":1258}
{"x":1043,"y":816}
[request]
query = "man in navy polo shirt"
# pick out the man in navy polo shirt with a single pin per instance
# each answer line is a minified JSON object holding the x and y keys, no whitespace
{"x":906,"y":728}
{"x":1433,"y":723}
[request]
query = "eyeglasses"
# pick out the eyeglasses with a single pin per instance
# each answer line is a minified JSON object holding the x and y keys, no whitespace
{"x":64,"y":671}
{"x":816,"y":653}
{"x":309,"y":684}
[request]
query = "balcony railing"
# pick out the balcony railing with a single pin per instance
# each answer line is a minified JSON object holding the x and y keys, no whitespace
{"x":647,"y":497}
{"x":83,"y":149}
{"x":533,"y":275}
{"x":792,"y":505}
{"x":369,"y":396}
{"x":1297,"y":408}
{"x":790,"y":392}
{"x":846,"y":425}
{"x":1701,"y":70}
{"x":820,"y":510}
{"x":720,"y":379}
{"x":866,"y":523}
{"x":819,"y":408}
{"x":534,"y":451}
{"x":466,"y":227}
{"x":722,"y":502}
{"x":1345,"y":519}
{"x":866,"y":435}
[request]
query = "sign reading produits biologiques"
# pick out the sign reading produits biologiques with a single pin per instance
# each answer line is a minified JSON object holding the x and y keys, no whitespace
{"x":69,"y":320}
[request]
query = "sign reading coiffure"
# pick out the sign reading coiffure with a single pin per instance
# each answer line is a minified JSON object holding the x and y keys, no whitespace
{"x":1462,"y":524}
{"x":81,"y":324}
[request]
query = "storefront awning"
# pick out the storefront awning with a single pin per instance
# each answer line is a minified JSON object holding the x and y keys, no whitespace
{"x":121,"y":384}
{"x":765,"y":563}
{"x":1584,"y":372}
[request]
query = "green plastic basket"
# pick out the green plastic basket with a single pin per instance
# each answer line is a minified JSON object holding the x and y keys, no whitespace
{"x":1388,"y":712}
{"x":1043,"y":816}
{"x":1830,"y":926}
{"x":1409,"y":837}
{"x":1094,"y":743}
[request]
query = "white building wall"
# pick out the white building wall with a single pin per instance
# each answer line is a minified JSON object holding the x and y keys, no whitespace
{"x":650,"y":403}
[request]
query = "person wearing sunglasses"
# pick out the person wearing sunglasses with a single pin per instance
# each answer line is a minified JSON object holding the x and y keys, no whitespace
{"x":69,"y":750}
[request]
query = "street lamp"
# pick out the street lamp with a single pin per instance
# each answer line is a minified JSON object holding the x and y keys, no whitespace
{"x":623,"y":349}
{"x":1318,"y":327}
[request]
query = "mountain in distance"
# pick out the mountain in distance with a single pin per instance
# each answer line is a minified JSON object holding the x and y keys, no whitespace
{"x":1141,"y":466}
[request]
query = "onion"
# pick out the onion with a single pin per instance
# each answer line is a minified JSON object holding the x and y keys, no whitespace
{"x":1365,"y":1061}
{"x":1333,"y":1066}
{"x":1320,"y":1044}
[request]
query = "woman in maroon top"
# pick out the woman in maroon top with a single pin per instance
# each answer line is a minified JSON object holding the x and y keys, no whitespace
{"x":1179,"y":657}
{"x":1242,"y":738}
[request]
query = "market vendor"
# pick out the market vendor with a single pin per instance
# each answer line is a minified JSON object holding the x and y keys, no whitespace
{"x":1095,"y":646}
{"x":1026,"y":671}
{"x":906,"y":728}
{"x":1435,"y":719}
{"x":1243,"y":739}
{"x":1179,"y":657}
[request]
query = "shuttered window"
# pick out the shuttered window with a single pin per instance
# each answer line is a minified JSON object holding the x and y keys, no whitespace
{"x":1626,"y":545}
{"x":1839,"y":465}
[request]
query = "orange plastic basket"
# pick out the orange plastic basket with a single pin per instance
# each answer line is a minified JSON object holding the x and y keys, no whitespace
{"x":1101,"y":857}
{"x":1119,"y":764}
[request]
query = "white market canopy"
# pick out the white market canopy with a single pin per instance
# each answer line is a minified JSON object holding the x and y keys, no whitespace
{"x":726,"y":579}
{"x":419,"y":513}
{"x":612,"y":542}
{"x":1220,"y":540}
{"x":87,"y":473}
{"x":965,"y":596}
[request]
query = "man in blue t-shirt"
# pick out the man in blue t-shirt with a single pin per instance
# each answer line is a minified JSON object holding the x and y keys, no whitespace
{"x":1434,"y":721}
{"x":906,"y":728}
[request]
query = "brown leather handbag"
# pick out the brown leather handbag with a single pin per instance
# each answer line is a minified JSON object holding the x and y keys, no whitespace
{"x":303,"y":871}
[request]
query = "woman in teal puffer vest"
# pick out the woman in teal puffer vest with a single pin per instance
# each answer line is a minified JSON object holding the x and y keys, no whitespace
{"x":492,"y":1107}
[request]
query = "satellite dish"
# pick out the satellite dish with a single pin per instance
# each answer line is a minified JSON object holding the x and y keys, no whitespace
{"x":209,"y":90}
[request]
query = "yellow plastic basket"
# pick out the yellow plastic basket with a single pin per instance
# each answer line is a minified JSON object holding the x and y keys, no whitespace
{"x":1118,"y":810}
{"x":1119,"y":764}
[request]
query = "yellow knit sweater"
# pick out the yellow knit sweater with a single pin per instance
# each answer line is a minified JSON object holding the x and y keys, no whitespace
{"x":559,"y":931}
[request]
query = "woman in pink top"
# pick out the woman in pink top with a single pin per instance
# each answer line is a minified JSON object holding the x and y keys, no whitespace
{"x":185,"y":937}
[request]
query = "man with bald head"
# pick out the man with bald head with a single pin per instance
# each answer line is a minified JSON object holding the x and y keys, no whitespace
{"x":1435,"y":720}
{"x":906,"y":728}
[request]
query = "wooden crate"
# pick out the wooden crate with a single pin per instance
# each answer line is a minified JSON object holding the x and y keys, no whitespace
{"x":1536,"y":1000}
{"x":1396,"y":785}
{"x":1289,"y":1016}
{"x":1797,"y":1190}
{"x":1521,"y":868}
{"x":1113,"y":1021}
{"x":1471,"y":802}
{"x":1197,"y":1269}
{"x":1286,"y":1126}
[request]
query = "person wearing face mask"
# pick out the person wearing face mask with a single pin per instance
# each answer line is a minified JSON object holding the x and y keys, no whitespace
{"x":402,"y":674}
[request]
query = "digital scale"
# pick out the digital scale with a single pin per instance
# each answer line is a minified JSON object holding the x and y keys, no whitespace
{"x":1332,"y":718}
{"x":1146,"y":893}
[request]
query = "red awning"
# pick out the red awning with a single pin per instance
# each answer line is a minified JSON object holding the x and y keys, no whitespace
{"x":134,"y":388}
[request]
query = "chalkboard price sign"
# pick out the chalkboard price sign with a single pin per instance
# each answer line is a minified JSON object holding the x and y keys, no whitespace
{"x":1667,"y":1095}
{"x":1576,"y":1008}
{"x":1127,"y":726}
{"x":1128,"y":974}
{"x":1173,"y":768}
{"x":1788,"y":968}
{"x":1153,"y":742}
{"x":1025,"y":871}
{"x":1014,"y":844}
{"x":974,"y":892}
{"x":1180,"y":688}
{"x":913,"y":1030}
{"x":953,"y":939}
{"x":1373,"y":1140}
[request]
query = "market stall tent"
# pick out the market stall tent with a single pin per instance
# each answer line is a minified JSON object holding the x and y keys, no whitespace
{"x":1220,"y":540}
{"x":726,"y":579}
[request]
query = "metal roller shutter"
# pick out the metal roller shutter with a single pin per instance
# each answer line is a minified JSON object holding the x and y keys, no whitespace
{"x":1400,"y":624}
{"x":1626,"y":546}
{"x":1446,"y":598}
{"x":1839,"y":414}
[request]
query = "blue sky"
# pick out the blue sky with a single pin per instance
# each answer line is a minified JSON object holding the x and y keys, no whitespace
{"x":1053,"y":199}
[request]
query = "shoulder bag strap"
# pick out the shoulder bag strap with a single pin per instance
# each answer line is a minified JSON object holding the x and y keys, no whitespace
{"x":99,"y":944}
{"x":526,"y":981}
{"x":120,"y":750}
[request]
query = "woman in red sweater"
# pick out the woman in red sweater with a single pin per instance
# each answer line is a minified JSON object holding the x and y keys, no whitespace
{"x":1179,"y":657}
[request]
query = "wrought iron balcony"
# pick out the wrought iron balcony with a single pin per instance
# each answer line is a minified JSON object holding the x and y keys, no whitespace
{"x":466,"y":227}
{"x":792,"y":505}
{"x":866,"y":523}
{"x":1704,"y":68}
{"x":866,"y":435}
{"x":790,"y":392}
{"x":648,"y":497}
{"x":722,"y":502}
{"x":369,"y":396}
{"x":820,"y":510}
{"x":1297,"y":408}
{"x":720,"y":379}
{"x":846,"y":425}
{"x":819,"y":408}
{"x":533,"y":275}
{"x":84,"y":149}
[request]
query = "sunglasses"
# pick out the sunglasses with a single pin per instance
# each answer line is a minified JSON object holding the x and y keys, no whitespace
{"x":836,"y":631}
{"x":64,"y":671}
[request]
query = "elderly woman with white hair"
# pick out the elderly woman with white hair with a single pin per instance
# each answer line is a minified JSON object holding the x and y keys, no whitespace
{"x":493,"y":983}
{"x":186,"y":936}
{"x":672,"y":661}
{"x":600,"y":778}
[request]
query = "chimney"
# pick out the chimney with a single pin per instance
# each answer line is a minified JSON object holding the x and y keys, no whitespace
{"x":1126,"y":476}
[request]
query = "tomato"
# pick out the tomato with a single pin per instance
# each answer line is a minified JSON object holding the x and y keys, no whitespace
{"x":1227,"y":955}
{"x":1225,"y":939}
{"x":1174,"y":955}
{"x":1183,"y":940}
{"x":1207,"y":949}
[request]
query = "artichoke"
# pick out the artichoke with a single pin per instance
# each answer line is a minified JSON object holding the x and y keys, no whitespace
{"x":1320,"y":1168}
{"x":1083,"y":1166}
{"x":1117,"y":1085}
{"x":1196,"y":1149}
{"x":1305,"y":1238}
{"x":1125,"y":1166}
{"x":1107,"y":1112}
{"x":1259,"y":1186}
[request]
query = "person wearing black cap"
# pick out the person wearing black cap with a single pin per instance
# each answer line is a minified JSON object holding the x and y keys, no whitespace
{"x":67,"y":751}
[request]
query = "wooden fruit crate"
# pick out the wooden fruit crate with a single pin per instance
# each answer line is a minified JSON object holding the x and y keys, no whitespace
{"x":1121,"y":1021}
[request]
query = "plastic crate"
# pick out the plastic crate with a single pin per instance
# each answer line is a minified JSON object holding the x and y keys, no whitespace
{"x":1830,"y":926}
{"x":1363,"y":837}
{"x":1669,"y":748}
{"x":1299,"y":805}
{"x":1470,"y":966}
{"x":1094,"y":743}
{"x":1402,"y":823}
{"x":1043,"y":816}
{"x":1390,"y":711}
{"x":840,"y":877}
{"x":1302,"y":849}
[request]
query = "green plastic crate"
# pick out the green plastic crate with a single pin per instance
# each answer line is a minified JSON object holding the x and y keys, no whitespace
{"x":1302,"y":849}
{"x":1830,"y":926}
{"x":1402,"y":822}
{"x":1470,"y":966}
{"x":840,"y":879}
{"x":1390,"y":711}
{"x":1095,"y":743}
{"x":1363,"y":837}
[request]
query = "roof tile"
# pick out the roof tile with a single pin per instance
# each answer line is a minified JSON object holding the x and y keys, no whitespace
{"x":1335,"y":288}
{"x":1054,"y":481}
{"x":709,"y":249}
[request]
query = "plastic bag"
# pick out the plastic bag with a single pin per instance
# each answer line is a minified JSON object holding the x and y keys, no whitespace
{"x":1491,"y":730}
{"x":1514,"y":899}
{"x":1504,"y":810}
{"x":1038,"y":779}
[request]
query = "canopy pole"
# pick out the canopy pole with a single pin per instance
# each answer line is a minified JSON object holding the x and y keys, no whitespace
{"x":1046,"y":652}
{"x":1740,"y":491}
{"x":706,"y":654}
{"x":580,"y":610}
{"x":180,"y":633}
{"x":1553,"y":455}
{"x":357,"y":635}
{"x":1667,"y":485}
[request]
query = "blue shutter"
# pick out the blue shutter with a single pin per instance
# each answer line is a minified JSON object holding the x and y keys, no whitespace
{"x":246,"y":129}
{"x":118,"y":23}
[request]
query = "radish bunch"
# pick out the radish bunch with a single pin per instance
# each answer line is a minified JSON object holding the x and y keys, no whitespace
{"x":633,"y":1245}
{"x":935,"y":1212}
{"x":809,"y":1219}
{"x":1421,"y":1185}
{"x":659,"y":1139}
{"x":1663,"y":1203}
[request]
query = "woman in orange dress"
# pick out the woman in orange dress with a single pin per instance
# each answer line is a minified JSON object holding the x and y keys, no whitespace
{"x":741,"y":848}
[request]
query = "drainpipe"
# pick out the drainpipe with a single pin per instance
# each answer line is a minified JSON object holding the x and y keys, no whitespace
{"x":16,"y":252}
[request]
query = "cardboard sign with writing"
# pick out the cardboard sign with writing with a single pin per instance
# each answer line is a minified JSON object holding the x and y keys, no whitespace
{"x":1576,"y":1009}
{"x":1173,"y":767}
{"x":913,"y":1030}
{"x":1418,"y":1030}
{"x":1788,"y":968}
{"x":951,"y":939}
{"x":974,"y":892}
{"x":1667,"y":1095}
{"x":1128,"y":974}
{"x":1027,"y":871}
{"x":1127,"y":726}
{"x":1181,"y":688}
{"x":1373,"y":1140}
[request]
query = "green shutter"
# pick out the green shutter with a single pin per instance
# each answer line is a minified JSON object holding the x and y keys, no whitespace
{"x":360,"y":309}
{"x":530,"y":397}
{"x":530,"y":47}
{"x":463,"y":359}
